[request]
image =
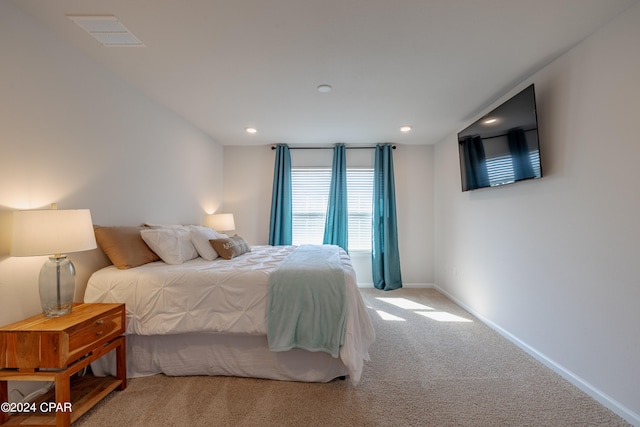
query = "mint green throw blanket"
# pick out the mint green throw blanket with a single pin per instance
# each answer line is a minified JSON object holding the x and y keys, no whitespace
{"x":307,"y":303}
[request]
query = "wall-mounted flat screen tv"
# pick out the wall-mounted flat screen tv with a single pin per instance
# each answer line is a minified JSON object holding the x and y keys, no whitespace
{"x":502,"y":147}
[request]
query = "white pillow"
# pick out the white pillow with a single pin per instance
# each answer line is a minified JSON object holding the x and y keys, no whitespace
{"x":173,"y":245}
{"x":200,"y":237}
{"x":147,"y":225}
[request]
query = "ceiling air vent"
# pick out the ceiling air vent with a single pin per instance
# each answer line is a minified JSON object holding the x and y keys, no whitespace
{"x":107,"y":29}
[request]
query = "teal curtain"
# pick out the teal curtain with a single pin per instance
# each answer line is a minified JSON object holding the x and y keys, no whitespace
{"x":280,"y":228}
{"x":385,"y":257}
{"x":336,"y":229}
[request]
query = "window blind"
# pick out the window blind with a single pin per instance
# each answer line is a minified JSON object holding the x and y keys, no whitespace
{"x":310,"y":195}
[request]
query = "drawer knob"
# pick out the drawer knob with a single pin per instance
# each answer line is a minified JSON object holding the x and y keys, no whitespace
{"x":99,"y":321}
{"x":99,"y":333}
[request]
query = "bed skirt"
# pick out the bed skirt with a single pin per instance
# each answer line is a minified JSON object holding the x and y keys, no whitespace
{"x":220,"y":354}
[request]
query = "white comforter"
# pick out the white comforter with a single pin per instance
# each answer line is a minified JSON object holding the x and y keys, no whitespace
{"x":224,"y":296}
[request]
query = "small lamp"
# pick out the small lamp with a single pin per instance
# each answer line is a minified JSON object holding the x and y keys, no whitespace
{"x":52,"y":231}
{"x":222,"y":222}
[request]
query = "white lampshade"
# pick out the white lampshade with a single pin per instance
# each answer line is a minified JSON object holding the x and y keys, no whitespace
{"x":222,"y":222}
{"x":52,"y":231}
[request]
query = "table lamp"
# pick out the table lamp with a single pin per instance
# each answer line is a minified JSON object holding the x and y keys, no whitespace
{"x":222,"y":222}
{"x":53,"y":232}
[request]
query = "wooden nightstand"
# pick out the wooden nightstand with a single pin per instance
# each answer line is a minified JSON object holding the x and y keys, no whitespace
{"x":54,"y":349}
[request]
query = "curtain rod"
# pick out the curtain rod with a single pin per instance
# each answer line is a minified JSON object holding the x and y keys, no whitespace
{"x":273,"y":147}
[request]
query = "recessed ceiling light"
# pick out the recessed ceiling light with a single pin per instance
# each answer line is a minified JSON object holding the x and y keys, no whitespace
{"x":324,"y":88}
{"x":251,"y":130}
{"x":405,"y":128}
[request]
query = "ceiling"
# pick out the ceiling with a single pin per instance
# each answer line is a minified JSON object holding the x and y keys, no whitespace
{"x":228,"y":65}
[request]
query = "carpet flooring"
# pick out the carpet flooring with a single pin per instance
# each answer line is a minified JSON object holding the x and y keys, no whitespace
{"x":433,"y":364}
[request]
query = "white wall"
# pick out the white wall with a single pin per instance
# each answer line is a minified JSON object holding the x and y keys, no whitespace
{"x":555,"y":262}
{"x":248,"y":180}
{"x":73,"y":134}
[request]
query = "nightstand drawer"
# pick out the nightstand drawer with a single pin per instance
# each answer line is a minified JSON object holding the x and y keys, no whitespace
{"x":92,"y":331}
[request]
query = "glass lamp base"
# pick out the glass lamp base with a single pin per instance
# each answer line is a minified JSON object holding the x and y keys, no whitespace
{"x":57,"y":286}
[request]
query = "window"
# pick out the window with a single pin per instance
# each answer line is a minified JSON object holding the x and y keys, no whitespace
{"x":310,"y":194}
{"x":360,"y":199}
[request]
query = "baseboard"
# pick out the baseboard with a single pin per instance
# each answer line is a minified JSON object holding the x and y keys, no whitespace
{"x":404,"y":285}
{"x":589,"y":389}
{"x":418,"y":285}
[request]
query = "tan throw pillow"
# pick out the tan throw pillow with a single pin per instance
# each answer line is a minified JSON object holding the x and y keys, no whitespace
{"x":124,"y":246}
{"x":230,"y":247}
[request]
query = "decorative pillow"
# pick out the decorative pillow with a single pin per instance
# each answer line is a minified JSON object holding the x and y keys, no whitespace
{"x":124,"y":246}
{"x":200,"y":236}
{"x":173,"y":245}
{"x":230,"y":247}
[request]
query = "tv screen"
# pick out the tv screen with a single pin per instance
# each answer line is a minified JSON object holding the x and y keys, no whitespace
{"x":502,"y":147}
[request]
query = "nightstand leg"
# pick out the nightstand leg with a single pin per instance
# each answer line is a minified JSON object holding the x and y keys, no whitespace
{"x":63,"y":395}
{"x":4,"y":397}
{"x":121,"y":363}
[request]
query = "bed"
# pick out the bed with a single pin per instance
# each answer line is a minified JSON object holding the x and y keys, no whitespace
{"x":194,"y":311}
